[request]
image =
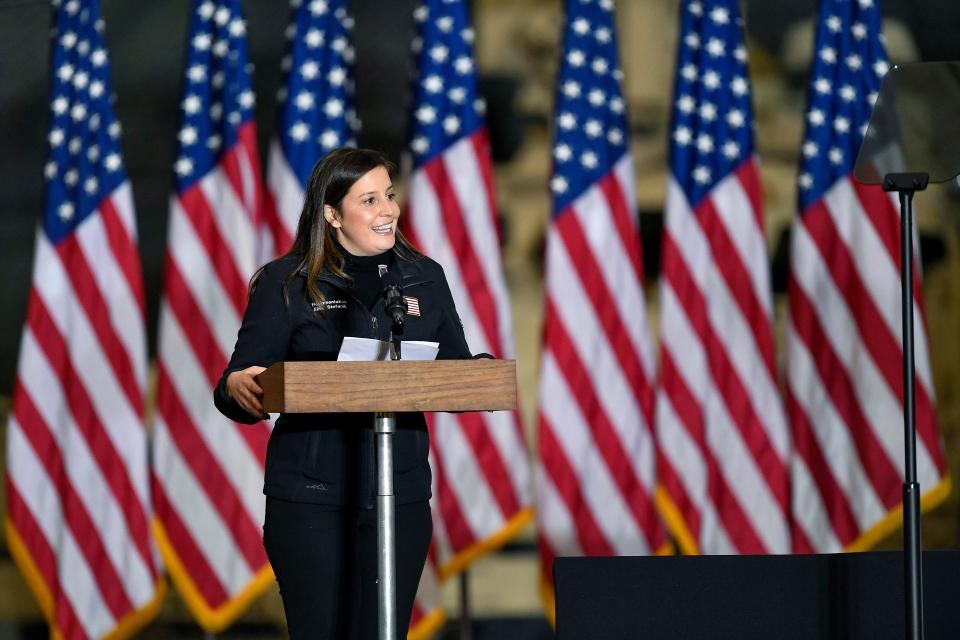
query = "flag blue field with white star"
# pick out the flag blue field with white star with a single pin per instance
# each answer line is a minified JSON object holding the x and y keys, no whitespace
{"x":595,"y":469}
{"x":218,"y":95}
{"x":85,"y":162}
{"x":844,"y":378}
{"x":317,"y":112}
{"x":721,"y":430}
{"x":447,"y":107}
{"x":78,"y":497}
{"x":207,"y":470}
{"x":481,"y":477}
{"x":712,"y":124}
{"x":591,"y":132}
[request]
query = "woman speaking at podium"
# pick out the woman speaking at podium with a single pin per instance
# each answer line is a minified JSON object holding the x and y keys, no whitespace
{"x":320,"y":528}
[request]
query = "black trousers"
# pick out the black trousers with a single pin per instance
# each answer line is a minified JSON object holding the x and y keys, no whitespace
{"x":325,"y":560}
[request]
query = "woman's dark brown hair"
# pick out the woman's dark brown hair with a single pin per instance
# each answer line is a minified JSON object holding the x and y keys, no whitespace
{"x":315,"y":245}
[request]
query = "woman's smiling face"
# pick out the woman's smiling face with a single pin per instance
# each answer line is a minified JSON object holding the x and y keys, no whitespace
{"x":366,"y":223}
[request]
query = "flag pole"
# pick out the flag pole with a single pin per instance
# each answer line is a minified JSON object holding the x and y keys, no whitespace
{"x":466,"y":622}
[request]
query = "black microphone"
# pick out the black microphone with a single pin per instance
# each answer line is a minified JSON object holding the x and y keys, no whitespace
{"x":395,"y":303}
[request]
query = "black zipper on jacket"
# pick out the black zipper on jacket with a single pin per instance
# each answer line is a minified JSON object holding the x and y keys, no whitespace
{"x":339,"y":285}
{"x":375,"y":330}
{"x":371,"y":496}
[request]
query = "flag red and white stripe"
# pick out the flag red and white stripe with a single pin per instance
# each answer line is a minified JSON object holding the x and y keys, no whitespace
{"x":479,"y":460}
{"x":722,"y":439}
{"x":596,"y":477}
{"x":78,"y":499}
{"x":596,"y":474}
{"x":844,"y":355}
{"x":208,"y":470}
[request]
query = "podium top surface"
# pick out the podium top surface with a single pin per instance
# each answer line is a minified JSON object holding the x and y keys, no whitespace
{"x":436,"y":385}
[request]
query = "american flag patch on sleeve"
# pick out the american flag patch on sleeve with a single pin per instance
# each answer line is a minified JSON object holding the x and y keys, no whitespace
{"x":413,"y":306}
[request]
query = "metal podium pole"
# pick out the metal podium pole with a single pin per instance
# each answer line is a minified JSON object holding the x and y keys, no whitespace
{"x":385,"y":425}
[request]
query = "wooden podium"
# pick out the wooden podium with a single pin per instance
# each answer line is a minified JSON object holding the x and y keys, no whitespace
{"x":402,"y":385}
{"x":384,"y":388}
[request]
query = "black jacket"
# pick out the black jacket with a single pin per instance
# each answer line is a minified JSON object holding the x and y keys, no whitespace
{"x":330,"y":458}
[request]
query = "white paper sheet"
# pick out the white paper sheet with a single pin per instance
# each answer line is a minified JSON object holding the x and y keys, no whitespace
{"x":366,"y":349}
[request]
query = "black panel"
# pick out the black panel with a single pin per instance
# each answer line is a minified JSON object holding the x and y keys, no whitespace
{"x":856,"y":596}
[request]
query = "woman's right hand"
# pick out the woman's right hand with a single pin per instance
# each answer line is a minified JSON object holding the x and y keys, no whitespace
{"x":244,"y":390}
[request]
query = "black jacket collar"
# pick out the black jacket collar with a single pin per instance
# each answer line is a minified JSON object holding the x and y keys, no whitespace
{"x":411,"y":271}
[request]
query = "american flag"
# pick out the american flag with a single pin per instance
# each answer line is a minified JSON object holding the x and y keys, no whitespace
{"x":207,"y":470}
{"x":78,"y":498}
{"x":722,"y":438}
{"x":316,"y":109}
{"x":479,"y":460}
{"x":844,"y":378}
{"x":595,"y":476}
